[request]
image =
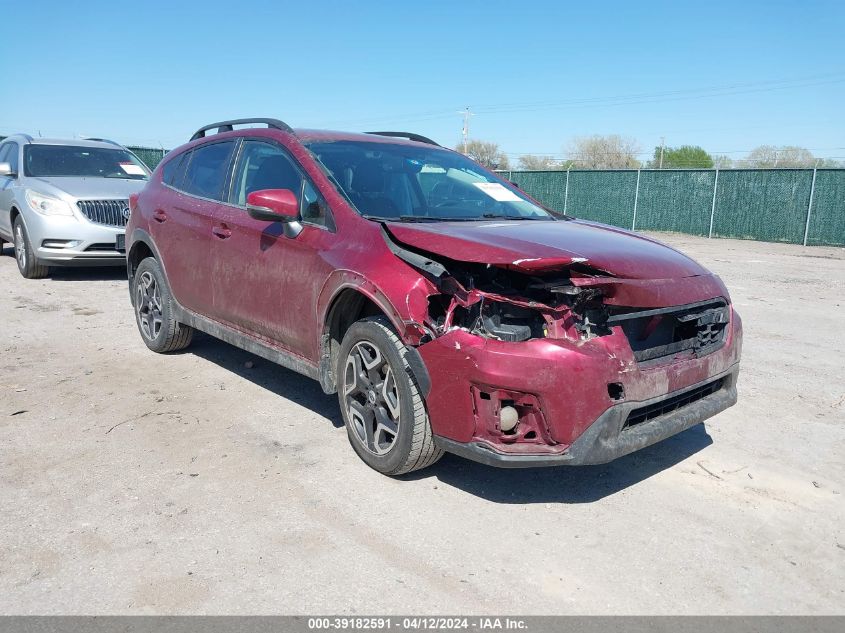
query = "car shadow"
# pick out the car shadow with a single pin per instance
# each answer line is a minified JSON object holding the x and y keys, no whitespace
{"x":565,"y":484}
{"x":283,"y":382}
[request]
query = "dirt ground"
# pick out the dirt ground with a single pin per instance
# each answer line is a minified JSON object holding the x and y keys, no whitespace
{"x":212,"y":481}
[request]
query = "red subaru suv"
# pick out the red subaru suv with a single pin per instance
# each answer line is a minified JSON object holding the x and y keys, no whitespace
{"x":447,"y":309}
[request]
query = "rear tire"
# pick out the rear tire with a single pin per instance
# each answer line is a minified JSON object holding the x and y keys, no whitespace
{"x":382,"y":407}
{"x":28,"y":264}
{"x":154,"y":310}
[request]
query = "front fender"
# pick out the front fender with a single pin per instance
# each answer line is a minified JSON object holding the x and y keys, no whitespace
{"x":406,"y":317}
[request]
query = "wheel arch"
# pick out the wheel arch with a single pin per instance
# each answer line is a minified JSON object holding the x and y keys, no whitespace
{"x":14,"y":214}
{"x":142,"y":246}
{"x":351,"y":300}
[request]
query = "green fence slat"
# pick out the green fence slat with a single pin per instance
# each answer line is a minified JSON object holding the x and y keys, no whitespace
{"x":548,"y":187}
{"x":603,"y":196}
{"x":678,"y":201}
{"x":827,"y":221}
{"x":768,"y":205}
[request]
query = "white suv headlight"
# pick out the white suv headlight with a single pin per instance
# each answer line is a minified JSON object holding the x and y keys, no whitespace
{"x":47,"y":205}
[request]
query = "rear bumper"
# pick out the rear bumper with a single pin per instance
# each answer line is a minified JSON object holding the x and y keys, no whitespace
{"x":607,"y":438}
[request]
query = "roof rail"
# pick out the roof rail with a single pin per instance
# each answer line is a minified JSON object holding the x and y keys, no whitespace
{"x":101,"y":140}
{"x":226,"y":126}
{"x":419,"y":138}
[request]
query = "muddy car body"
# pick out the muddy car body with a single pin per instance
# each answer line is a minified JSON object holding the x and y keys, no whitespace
{"x":517,"y":337}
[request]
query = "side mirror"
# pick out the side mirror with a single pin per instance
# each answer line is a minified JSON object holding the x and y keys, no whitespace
{"x":273,"y":205}
{"x":6,"y":170}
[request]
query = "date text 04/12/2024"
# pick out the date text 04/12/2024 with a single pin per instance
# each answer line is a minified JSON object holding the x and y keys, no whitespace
{"x":418,"y":623}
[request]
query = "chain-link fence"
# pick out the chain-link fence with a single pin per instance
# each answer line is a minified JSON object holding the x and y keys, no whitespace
{"x":801,"y":206}
{"x":150,"y":155}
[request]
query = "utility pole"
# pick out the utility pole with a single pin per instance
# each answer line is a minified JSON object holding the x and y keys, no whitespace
{"x":662,"y":144}
{"x":465,"y":131}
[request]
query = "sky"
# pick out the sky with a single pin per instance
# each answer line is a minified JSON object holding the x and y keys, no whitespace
{"x":728,"y":76}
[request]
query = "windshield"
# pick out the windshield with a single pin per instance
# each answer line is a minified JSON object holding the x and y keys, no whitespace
{"x":411,"y":183}
{"x":94,"y":162}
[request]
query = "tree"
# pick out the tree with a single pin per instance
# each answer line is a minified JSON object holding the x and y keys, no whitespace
{"x":538,"y":163}
{"x":605,"y":152}
{"x":767,"y":156}
{"x":723,"y":162}
{"x":685,"y":156}
{"x":485,"y":153}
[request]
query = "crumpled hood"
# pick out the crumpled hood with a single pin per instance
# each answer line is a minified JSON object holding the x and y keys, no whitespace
{"x":87,"y":188}
{"x":534,"y":245}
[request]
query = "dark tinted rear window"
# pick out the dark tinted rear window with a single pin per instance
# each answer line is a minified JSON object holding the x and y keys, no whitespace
{"x":207,"y":170}
{"x":173,"y":170}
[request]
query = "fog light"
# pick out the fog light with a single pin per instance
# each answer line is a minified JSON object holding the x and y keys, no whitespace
{"x":508,"y":419}
{"x":60,"y":243}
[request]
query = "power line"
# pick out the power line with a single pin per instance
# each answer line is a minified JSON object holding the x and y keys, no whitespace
{"x":736,"y":88}
{"x":650,"y":153}
{"x":626,"y":99}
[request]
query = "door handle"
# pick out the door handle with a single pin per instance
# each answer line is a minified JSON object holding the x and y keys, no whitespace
{"x":222,"y":231}
{"x":159,"y":216}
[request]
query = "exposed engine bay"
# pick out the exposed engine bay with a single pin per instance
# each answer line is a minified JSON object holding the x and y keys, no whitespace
{"x":507,"y":303}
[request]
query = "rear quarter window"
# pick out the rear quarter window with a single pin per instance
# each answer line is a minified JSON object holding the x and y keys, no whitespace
{"x":173,"y":170}
{"x":206,"y":173}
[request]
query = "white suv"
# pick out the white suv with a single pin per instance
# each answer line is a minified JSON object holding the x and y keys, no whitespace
{"x":66,"y":202}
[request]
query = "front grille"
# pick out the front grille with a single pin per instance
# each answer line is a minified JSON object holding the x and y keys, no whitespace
{"x":108,"y":212}
{"x":652,"y":411}
{"x":661,"y":334}
{"x":102,"y":247}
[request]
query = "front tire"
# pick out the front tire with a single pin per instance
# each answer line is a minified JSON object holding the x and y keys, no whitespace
{"x":28,"y":264}
{"x":382,"y":407}
{"x":154,"y":311}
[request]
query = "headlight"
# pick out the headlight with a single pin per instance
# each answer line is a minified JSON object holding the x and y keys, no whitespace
{"x":47,"y":205}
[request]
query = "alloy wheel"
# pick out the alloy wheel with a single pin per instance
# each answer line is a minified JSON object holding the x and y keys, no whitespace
{"x":372,"y":398}
{"x":148,"y":305}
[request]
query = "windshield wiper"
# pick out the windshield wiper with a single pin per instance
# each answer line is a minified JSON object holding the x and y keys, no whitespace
{"x":400,"y":218}
{"x":435,"y":218}
{"x":418,"y":218}
{"x":499,"y":216}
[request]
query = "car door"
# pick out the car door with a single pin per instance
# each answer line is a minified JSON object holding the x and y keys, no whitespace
{"x":8,"y":154}
{"x":183,"y":223}
{"x":266,"y":283}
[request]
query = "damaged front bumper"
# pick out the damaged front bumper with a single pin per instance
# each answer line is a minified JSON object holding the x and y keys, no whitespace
{"x":586,"y":403}
{"x":610,"y":437}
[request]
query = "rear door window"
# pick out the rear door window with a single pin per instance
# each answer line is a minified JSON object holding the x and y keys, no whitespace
{"x":208,"y":170}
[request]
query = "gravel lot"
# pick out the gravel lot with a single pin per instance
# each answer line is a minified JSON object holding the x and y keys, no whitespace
{"x":214,"y":482}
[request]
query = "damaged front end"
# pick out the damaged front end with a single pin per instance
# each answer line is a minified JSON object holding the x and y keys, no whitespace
{"x":560,"y":299}
{"x":532,"y":359}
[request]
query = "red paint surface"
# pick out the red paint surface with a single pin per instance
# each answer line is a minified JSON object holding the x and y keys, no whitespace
{"x":281,"y":201}
{"x":532,"y":245}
